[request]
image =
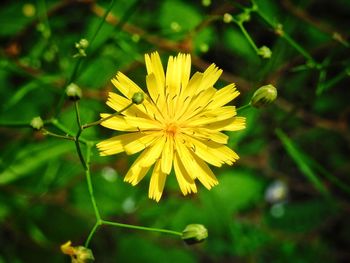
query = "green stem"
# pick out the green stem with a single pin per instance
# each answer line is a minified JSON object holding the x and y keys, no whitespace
{"x":286,"y":36}
{"x":15,"y":124}
{"x":89,"y":183}
{"x":92,"y":232}
{"x":88,"y":125}
{"x":244,"y":107}
{"x":172,"y":232}
{"x":77,"y":143}
{"x":62,"y":128}
{"x":65,"y":137}
{"x":102,"y":22}
{"x":247,"y":36}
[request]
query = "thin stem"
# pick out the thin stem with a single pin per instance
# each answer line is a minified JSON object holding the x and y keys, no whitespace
{"x":77,"y":144}
{"x":172,"y":232}
{"x":62,"y":128}
{"x":244,"y":107}
{"x":286,"y":36}
{"x":65,"y":137}
{"x":102,"y":22}
{"x":15,"y":124}
{"x":247,"y":36}
{"x":89,"y":183}
{"x":92,"y":232}
{"x":88,"y":125}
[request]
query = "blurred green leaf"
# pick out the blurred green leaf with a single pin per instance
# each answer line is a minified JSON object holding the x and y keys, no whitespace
{"x":27,"y":161}
{"x":298,"y":158}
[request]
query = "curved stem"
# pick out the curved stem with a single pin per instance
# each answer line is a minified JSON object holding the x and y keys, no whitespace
{"x":88,"y":125}
{"x":92,"y":232}
{"x":171,"y":232}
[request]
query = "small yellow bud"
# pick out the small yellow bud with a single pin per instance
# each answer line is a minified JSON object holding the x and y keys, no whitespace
{"x":265,"y":52}
{"x":194,"y":233}
{"x":227,"y":18}
{"x":137,"y":98}
{"x":74,"y":92}
{"x":206,"y":2}
{"x":264,"y":96}
{"x":78,"y":254}
{"x":37,"y":123}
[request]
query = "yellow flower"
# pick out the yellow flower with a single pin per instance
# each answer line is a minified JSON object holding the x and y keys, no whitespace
{"x":178,"y":126}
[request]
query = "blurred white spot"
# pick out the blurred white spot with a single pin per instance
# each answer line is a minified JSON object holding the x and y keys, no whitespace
{"x":277,"y":210}
{"x":129,"y":205}
{"x":109,"y":174}
{"x":276,"y":192}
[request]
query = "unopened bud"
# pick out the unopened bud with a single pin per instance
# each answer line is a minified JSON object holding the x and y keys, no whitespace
{"x":74,"y":92}
{"x":264,"y":96}
{"x":78,"y":254}
{"x":81,"y":46}
{"x":37,"y":123}
{"x":264,"y":52}
{"x":243,"y":17}
{"x":194,"y":233}
{"x":227,"y":18}
{"x":137,"y":98}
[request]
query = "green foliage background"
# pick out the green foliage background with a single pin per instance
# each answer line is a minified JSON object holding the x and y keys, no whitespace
{"x":303,"y":139}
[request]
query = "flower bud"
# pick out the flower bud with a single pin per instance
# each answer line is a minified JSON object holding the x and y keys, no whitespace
{"x":73,"y":92}
{"x":137,"y":98}
{"x":37,"y":123}
{"x":264,"y":52}
{"x":227,"y":18}
{"x":243,"y":17}
{"x":78,"y":254}
{"x":264,"y":96}
{"x":194,"y":233}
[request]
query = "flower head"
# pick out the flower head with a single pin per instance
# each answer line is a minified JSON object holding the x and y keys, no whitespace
{"x":178,"y":126}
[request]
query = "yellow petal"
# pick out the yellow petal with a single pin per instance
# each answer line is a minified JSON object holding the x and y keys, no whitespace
{"x":206,"y":134}
{"x":167,"y":155}
{"x":215,"y":115}
{"x":186,"y":183}
{"x":223,"y":96}
{"x":198,"y":104}
{"x":222,"y":152}
{"x":156,"y":91}
{"x":232,"y":124}
{"x":137,"y":172}
{"x":118,"y":103}
{"x":205,"y":175}
{"x":125,"y":85}
{"x":130,"y":143}
{"x":203,"y":151}
{"x":138,"y":144}
{"x":210,"y":77}
{"x":194,"y":166}
{"x":143,"y":124}
{"x":117,"y":123}
{"x":154,"y":65}
{"x":157,"y":183}
{"x":153,"y":153}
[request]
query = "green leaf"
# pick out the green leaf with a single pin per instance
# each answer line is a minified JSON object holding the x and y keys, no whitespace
{"x":28,"y":161}
{"x":299,"y":159}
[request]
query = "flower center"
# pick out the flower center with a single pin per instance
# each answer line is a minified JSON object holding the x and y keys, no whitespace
{"x":171,"y":129}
